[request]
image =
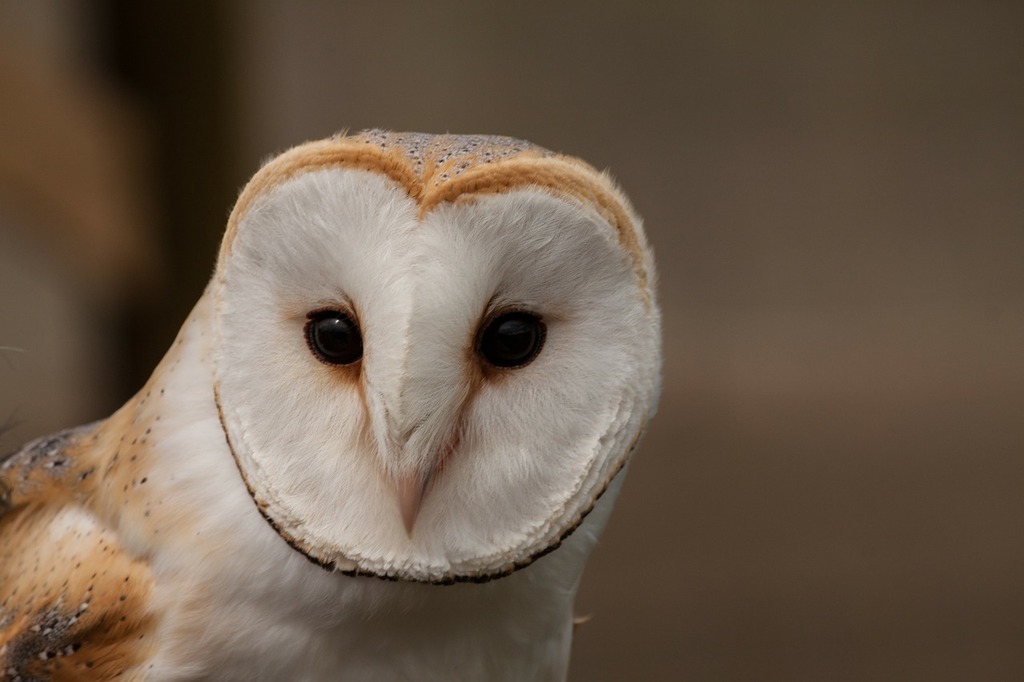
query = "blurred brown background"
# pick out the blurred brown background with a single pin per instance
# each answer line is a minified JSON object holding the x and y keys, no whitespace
{"x":834,"y":486}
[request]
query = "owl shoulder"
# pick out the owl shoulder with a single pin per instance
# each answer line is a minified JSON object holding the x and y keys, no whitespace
{"x":73,"y":603}
{"x":44,"y":468}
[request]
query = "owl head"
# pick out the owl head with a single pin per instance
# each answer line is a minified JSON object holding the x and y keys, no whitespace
{"x":434,"y":353}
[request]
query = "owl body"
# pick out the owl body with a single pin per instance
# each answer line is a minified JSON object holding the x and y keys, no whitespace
{"x":382,"y":446}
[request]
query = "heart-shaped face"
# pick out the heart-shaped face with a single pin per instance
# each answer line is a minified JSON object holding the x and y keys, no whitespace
{"x":434,"y":353}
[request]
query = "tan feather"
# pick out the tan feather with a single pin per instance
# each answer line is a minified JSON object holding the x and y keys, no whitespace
{"x":73,"y":602}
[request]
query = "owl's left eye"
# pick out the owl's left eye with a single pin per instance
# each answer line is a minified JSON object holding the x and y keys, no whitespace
{"x":512,"y":340}
{"x":334,"y":337}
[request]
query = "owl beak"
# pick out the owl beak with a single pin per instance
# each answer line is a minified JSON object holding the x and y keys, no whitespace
{"x":411,"y":490}
{"x":412,"y":487}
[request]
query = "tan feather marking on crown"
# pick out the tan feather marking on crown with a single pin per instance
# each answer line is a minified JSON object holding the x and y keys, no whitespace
{"x":561,"y":177}
{"x":314,"y":155}
{"x":436,"y":169}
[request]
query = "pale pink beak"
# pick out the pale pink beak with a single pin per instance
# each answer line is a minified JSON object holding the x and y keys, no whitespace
{"x":411,"y":490}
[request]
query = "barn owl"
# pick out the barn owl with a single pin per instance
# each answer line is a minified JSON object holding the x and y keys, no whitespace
{"x":382,"y":445}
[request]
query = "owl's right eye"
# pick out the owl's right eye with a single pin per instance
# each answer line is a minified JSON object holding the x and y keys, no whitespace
{"x":333,"y":337}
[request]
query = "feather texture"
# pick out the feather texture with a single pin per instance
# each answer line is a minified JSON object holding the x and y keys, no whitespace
{"x":234,"y":519}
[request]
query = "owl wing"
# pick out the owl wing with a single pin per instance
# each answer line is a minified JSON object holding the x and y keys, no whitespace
{"x":73,"y":601}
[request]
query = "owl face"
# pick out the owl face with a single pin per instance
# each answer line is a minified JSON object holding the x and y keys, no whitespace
{"x":432,"y":378}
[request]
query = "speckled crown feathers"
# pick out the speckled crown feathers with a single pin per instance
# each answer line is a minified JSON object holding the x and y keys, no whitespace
{"x":436,"y":169}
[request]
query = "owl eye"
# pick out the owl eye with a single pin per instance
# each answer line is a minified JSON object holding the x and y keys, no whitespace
{"x":334,"y":337}
{"x":512,"y":340}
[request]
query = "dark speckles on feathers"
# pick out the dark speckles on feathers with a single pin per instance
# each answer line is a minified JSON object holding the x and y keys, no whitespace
{"x":64,"y":599}
{"x":42,"y":640}
{"x":41,"y":452}
{"x":454,"y":153}
{"x":40,"y":464}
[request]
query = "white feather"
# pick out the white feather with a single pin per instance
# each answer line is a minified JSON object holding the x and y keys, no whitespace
{"x":537,"y":447}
